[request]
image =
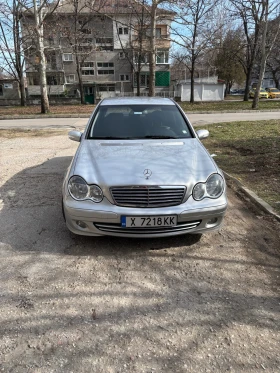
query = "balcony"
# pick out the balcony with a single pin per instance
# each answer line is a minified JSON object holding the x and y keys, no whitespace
{"x":162,"y":42}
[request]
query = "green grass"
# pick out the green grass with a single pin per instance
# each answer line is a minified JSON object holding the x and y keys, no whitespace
{"x":228,"y":105}
{"x":217,"y":106}
{"x":250,"y":151}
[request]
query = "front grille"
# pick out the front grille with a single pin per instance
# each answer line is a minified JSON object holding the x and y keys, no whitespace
{"x":148,"y":196}
{"x":117,"y":228}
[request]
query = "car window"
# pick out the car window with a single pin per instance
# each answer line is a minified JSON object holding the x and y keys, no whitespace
{"x":138,"y":122}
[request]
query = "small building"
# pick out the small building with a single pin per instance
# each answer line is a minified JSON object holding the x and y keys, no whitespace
{"x":205,"y":89}
{"x":9,"y":92}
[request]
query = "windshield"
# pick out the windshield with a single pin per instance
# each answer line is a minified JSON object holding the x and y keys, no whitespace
{"x":274,"y":90}
{"x":139,"y":122}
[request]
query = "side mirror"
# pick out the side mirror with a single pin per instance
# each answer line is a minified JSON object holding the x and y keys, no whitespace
{"x":202,"y":134}
{"x":75,"y":135}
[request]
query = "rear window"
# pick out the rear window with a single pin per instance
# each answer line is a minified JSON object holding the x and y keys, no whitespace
{"x":138,"y":122}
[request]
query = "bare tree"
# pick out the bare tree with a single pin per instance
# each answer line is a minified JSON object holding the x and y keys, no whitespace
{"x":273,"y":60}
{"x":264,"y":48}
{"x":154,"y":15}
{"x":194,"y":32}
{"x":34,"y":21}
{"x":76,"y":30}
{"x":252,"y":14}
{"x":11,"y":43}
{"x":137,"y":20}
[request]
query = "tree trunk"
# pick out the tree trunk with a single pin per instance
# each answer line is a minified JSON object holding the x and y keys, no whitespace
{"x":22,"y":92}
{"x":275,"y":78}
{"x":192,"y":83}
{"x":81,"y":84}
{"x":152,"y":54}
{"x":18,"y":62}
{"x":38,"y":17}
{"x":256,"y":99}
{"x":247,"y":84}
{"x":138,"y":82}
{"x":45,"y":107}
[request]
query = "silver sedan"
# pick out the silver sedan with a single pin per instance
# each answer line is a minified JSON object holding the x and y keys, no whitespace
{"x":142,"y":171}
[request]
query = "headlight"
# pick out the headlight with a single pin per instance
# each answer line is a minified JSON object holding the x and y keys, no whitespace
{"x":213,"y":188}
{"x":79,"y":190}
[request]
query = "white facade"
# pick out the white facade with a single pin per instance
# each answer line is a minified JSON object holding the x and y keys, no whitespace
{"x":202,"y":91}
{"x":121,"y":39}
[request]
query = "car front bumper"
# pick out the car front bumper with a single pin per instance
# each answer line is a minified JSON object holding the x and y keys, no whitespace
{"x":99,"y":219}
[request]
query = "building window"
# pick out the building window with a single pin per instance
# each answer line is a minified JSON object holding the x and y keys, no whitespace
{"x":105,"y":68}
{"x":87,"y":68}
{"x":86,"y":40}
{"x":106,"y":88}
{"x":125,"y":78}
{"x":1,"y":90}
{"x":87,"y":72}
{"x":104,"y":40}
{"x":86,"y":31}
{"x":88,"y":90}
{"x":105,"y":72}
{"x":123,"y":31}
{"x":67,"y":57}
{"x":84,"y":48}
{"x":162,"y":57}
{"x":158,"y":33}
{"x":70,"y":78}
{"x":87,"y":64}
{"x":143,"y":58}
{"x":144,"y":80}
{"x":105,"y":48}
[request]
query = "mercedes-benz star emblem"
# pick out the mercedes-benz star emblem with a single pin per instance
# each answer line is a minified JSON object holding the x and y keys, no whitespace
{"x":147,"y":173}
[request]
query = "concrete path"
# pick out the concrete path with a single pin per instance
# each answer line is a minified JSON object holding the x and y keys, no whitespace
{"x":196,"y":119}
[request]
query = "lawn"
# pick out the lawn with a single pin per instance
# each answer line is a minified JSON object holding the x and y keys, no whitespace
{"x":226,"y":105}
{"x":250,"y":151}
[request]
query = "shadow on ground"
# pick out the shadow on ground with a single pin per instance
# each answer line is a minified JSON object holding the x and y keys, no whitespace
{"x":132,"y":305}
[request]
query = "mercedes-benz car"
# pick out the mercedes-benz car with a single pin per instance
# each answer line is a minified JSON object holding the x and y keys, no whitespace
{"x":141,"y":171}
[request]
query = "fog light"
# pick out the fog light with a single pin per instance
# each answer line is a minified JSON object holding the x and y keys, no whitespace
{"x":81,"y":224}
{"x":212,"y":221}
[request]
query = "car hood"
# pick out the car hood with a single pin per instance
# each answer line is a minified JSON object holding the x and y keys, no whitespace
{"x":117,"y":163}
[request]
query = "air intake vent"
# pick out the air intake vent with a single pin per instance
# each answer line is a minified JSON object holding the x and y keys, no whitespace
{"x":148,"y":196}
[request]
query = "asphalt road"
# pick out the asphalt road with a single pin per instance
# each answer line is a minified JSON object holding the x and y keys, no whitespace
{"x":196,"y":119}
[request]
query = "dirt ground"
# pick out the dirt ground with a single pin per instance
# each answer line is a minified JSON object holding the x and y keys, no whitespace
{"x":108,"y":305}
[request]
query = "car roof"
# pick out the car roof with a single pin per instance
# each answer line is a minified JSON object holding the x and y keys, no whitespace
{"x":137,"y":101}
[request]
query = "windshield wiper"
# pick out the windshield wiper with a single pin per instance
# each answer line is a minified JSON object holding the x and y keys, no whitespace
{"x":160,"y":137}
{"x":109,"y":138}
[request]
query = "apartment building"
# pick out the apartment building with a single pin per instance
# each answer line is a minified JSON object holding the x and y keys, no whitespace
{"x":101,"y":47}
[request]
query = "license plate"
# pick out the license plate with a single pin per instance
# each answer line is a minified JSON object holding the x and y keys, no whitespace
{"x":149,"y":221}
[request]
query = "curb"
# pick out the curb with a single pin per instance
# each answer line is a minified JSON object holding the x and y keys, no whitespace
{"x":44,"y":116}
{"x":253,"y":197}
{"x":234,"y":111}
